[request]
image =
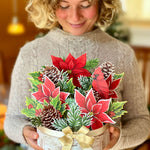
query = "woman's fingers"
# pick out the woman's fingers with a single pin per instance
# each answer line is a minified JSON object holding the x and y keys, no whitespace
{"x":33,"y":144}
{"x":31,"y":137}
{"x":114,"y":136}
{"x":30,"y":132}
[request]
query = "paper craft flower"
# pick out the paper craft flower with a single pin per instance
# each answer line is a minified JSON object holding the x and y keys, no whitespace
{"x":74,"y":67}
{"x":112,"y":84}
{"x":47,"y":91}
{"x":88,"y":104}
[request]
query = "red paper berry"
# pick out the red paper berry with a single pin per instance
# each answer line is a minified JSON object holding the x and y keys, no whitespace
{"x":40,"y":78}
{"x":111,"y":114}
{"x":30,"y":106}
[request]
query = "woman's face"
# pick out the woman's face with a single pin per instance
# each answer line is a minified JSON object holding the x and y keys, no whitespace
{"x":77,"y":16}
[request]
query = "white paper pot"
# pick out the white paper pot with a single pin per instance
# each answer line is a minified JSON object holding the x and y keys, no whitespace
{"x":49,"y":139}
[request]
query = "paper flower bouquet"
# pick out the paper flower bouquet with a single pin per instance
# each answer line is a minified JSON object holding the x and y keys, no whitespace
{"x":72,"y":105}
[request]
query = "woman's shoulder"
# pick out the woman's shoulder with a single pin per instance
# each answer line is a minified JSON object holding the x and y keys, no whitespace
{"x":34,"y":44}
{"x":116,"y":44}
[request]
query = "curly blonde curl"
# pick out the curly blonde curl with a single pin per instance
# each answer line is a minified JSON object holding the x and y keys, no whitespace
{"x":42,"y":12}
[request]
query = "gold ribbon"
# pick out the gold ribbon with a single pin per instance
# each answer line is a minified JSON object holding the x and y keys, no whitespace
{"x":84,"y":141}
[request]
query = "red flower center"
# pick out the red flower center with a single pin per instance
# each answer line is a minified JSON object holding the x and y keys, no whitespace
{"x":91,"y":113}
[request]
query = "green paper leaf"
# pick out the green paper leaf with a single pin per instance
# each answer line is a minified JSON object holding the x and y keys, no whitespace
{"x":71,"y":86}
{"x":39,"y":106}
{"x":31,"y":101}
{"x":33,"y":90}
{"x":28,"y":112}
{"x":56,"y":102}
{"x":119,"y":114}
{"x":118,"y":76}
{"x":34,"y":83}
{"x":63,"y":108}
{"x":63,"y":58}
{"x":90,"y":64}
{"x":46,"y":103}
{"x":116,"y":108}
{"x":43,"y":67}
{"x":35,"y":74}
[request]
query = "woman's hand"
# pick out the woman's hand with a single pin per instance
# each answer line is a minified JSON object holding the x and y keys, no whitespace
{"x":114,"y":136}
{"x":31,"y":137}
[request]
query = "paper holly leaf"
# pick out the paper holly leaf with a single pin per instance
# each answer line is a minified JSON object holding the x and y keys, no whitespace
{"x":90,"y":64}
{"x":29,"y":112}
{"x":35,"y":83}
{"x":34,"y":80}
{"x":63,"y":108}
{"x":58,"y":105}
{"x":31,"y":101}
{"x":56,"y":102}
{"x":33,"y":106}
{"x":118,"y":76}
{"x":35,"y":74}
{"x":45,"y":103}
{"x":71,"y":86}
{"x":116,"y":109}
{"x":39,"y":106}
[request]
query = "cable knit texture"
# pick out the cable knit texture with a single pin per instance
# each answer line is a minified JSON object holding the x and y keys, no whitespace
{"x":97,"y":44}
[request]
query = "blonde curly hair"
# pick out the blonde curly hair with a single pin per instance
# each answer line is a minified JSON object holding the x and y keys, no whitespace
{"x":42,"y":12}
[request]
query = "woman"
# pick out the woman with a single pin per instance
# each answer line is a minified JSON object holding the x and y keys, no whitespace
{"x":75,"y":28}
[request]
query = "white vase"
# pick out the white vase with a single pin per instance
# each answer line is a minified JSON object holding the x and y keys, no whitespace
{"x":49,"y":139}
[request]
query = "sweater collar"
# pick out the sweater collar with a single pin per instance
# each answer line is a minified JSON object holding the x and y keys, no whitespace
{"x":58,"y":34}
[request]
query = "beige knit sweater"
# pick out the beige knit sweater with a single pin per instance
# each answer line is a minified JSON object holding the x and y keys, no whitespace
{"x":97,"y":44}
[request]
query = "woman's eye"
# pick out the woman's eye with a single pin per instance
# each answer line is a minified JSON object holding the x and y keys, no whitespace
{"x":85,"y":6}
{"x":63,"y":6}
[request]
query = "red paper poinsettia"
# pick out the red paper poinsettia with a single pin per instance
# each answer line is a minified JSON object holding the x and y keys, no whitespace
{"x":73,"y":66}
{"x":112,"y":84}
{"x":48,"y":90}
{"x":99,"y":83}
{"x":88,"y":104}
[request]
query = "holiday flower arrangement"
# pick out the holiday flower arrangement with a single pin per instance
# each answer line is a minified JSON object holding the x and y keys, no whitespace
{"x":69,"y":96}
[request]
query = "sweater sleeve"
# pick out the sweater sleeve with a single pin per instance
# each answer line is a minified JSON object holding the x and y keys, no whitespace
{"x":15,"y":121}
{"x":135,"y":126}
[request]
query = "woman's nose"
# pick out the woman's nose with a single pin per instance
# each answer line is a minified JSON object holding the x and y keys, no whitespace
{"x":75,"y":15}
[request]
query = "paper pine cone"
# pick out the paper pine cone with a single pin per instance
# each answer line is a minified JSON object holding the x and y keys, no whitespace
{"x":96,"y":95}
{"x":52,"y":73}
{"x":107,"y":68}
{"x":47,"y":115}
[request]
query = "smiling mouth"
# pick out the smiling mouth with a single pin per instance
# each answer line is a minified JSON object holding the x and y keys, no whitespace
{"x":77,"y":25}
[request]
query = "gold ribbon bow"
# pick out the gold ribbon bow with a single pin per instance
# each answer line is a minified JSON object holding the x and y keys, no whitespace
{"x":84,"y":141}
